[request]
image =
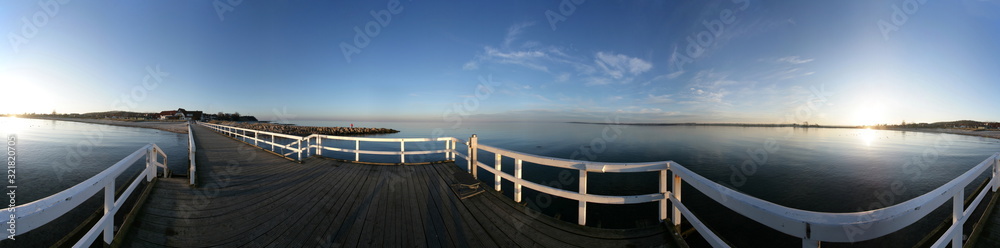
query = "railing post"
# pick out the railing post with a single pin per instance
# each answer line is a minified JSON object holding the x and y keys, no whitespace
{"x":319,"y":146}
{"x":582,"y":216}
{"x":473,"y":158}
{"x":677,"y":194}
{"x":496,"y":178}
{"x":150,"y":168}
{"x":166,"y":170}
{"x":255,"y":138}
{"x":468,"y":151}
{"x":996,"y":171}
{"x":663,"y":190}
{"x":957,"y":209}
{"x":517,"y":186}
{"x":272,"y":142}
{"x":357,"y":146}
{"x":109,"y":202}
{"x":447,"y":149}
{"x":298,"y":145}
{"x":402,"y":152}
{"x":808,"y":243}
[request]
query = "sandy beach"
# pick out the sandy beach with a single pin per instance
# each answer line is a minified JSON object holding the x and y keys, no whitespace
{"x":169,"y":126}
{"x":986,"y":134}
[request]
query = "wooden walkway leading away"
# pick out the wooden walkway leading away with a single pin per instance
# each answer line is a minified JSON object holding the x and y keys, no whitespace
{"x":248,"y":197}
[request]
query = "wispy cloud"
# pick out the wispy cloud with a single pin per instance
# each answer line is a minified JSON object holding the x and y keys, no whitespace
{"x":618,"y":65}
{"x":659,"y":99}
{"x":513,"y":32}
{"x":602,"y":68}
{"x":795,"y":60}
{"x":709,"y":88}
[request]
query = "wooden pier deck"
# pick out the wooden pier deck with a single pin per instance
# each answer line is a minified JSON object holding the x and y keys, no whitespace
{"x":249,"y":197}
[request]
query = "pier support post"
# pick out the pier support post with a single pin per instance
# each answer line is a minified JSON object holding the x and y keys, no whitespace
{"x":517,"y":186}
{"x":677,"y":194}
{"x":357,"y":146}
{"x":109,"y":203}
{"x":473,"y":158}
{"x":496,"y":178}
{"x":582,"y":214}
{"x":402,"y":152}
{"x":319,"y":146}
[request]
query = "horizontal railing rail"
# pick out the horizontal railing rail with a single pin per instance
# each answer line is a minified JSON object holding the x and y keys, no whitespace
{"x":812,"y":227}
{"x":314,"y":143}
{"x":242,"y":133}
{"x":35,"y":214}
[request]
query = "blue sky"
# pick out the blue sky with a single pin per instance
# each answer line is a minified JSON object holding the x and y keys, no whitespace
{"x":827,"y":62}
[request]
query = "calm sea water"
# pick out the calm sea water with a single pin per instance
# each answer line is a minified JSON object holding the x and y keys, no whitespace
{"x":53,"y":156}
{"x":817,"y":169}
{"x":829,"y":170}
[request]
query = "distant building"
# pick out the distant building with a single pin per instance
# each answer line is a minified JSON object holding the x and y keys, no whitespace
{"x":168,"y":115}
{"x":180,"y":114}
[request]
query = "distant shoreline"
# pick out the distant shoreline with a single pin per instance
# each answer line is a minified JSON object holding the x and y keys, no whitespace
{"x":717,"y":124}
{"x":169,"y":126}
{"x":984,"y":134}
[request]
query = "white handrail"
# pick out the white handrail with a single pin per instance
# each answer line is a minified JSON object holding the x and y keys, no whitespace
{"x":577,"y":164}
{"x":812,"y":227}
{"x":296,"y":145}
{"x":32,"y":215}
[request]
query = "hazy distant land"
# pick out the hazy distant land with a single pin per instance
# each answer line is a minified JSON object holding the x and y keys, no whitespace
{"x":969,"y":128}
{"x":721,"y":124}
{"x":179,"y":126}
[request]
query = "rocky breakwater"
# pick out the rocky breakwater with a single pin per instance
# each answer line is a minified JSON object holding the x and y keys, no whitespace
{"x":304,"y":130}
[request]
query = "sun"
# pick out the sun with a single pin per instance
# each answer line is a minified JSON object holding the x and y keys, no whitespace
{"x":869,"y":114}
{"x":24,"y":96}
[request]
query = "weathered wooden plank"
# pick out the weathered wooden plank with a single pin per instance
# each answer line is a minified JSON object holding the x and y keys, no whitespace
{"x":326,"y":203}
{"x":364,"y":219}
{"x":438,"y":229}
{"x":325,"y":192}
{"x":439,"y":193}
{"x":478,"y":231}
{"x":412,"y":232}
{"x":430,"y":225}
{"x":320,"y":219}
{"x":324,"y":235}
{"x":380,"y":217}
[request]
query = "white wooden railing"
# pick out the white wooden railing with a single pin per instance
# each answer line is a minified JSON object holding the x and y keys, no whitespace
{"x":300,"y":146}
{"x":192,"y":166}
{"x":37,"y":213}
{"x":812,"y":227}
{"x":236,"y":132}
